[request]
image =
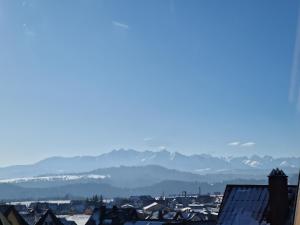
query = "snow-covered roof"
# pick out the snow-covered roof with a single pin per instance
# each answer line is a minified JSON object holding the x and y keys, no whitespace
{"x":154,"y":206}
{"x":150,"y":206}
{"x":127,"y":206}
{"x":79,"y":219}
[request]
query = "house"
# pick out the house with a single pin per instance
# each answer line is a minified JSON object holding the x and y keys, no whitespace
{"x":63,"y":208}
{"x":12,"y":215}
{"x":129,"y":216}
{"x":49,"y":219}
{"x":112,"y":216}
{"x":3,"y":220}
{"x":21,"y":208}
{"x":33,"y":216}
{"x":126,"y":206}
{"x":43,"y":206}
{"x":140,"y":201}
{"x":154,"y":207}
{"x":272,"y":204}
{"x":78,"y":219}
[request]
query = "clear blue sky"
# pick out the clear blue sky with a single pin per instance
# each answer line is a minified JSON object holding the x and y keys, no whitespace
{"x":82,"y":77}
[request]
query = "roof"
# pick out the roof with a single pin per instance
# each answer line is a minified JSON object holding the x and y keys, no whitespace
{"x":67,"y":222}
{"x":110,"y":215}
{"x":19,"y":218}
{"x":127,"y":206}
{"x":150,"y":205}
{"x":3,"y":220}
{"x":48,"y":214}
{"x":154,"y":206}
{"x":245,"y":204}
{"x":79,"y":219}
{"x":33,"y":216}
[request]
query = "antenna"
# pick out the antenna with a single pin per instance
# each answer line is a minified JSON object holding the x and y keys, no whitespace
{"x":199,"y":191}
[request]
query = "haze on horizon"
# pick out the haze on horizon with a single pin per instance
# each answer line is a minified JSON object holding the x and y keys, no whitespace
{"x":86,"y":77}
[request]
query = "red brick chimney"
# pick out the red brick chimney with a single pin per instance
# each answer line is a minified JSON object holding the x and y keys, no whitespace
{"x":278,"y":197}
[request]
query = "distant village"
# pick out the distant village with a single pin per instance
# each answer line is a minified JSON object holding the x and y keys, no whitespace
{"x":275,"y":204}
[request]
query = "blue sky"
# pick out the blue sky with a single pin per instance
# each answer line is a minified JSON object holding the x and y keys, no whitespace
{"x":84,"y":77}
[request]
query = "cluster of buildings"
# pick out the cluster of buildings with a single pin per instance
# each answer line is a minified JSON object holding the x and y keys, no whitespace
{"x":276,"y":203}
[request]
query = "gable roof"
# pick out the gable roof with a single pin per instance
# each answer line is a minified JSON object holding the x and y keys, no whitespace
{"x":3,"y":220}
{"x":49,"y":212}
{"x":33,"y":216}
{"x":18,"y":217}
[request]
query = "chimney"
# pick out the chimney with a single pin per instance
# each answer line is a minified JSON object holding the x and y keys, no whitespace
{"x":102,"y":212}
{"x":278,"y":197}
{"x":160,"y":215}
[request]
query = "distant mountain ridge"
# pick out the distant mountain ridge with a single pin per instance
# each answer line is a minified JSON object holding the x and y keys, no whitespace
{"x":124,"y":177}
{"x":201,"y":164}
{"x":83,"y":190}
{"x":124,"y":181}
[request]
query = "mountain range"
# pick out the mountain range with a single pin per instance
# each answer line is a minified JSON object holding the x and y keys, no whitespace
{"x":130,"y":172}
{"x":200,"y":164}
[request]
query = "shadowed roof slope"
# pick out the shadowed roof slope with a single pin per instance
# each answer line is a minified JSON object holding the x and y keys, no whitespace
{"x":11,"y":210}
{"x":48,"y":214}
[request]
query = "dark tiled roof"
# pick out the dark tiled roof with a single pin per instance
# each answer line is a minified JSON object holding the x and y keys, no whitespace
{"x":55,"y":220}
{"x":33,"y":216}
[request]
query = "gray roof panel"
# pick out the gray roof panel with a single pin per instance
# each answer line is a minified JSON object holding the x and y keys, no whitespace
{"x":244,"y":203}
